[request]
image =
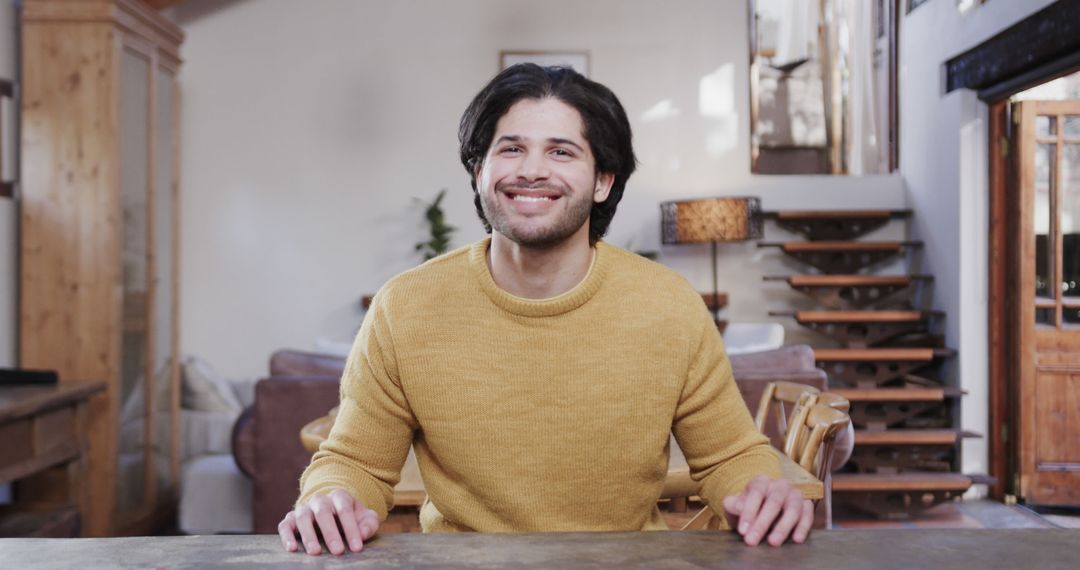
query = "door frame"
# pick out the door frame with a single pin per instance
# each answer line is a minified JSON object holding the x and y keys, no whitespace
{"x":1001,"y":342}
{"x":1004,"y":305}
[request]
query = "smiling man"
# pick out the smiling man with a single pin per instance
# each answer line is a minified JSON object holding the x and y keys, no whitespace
{"x":538,"y":373}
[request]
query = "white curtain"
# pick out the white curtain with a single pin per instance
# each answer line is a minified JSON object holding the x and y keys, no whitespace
{"x":790,"y":27}
{"x":797,"y":36}
{"x":862,"y":137}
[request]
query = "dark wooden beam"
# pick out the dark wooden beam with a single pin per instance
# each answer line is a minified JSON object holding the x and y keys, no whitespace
{"x":161,"y":4}
{"x":1046,"y":36}
{"x":1001,"y":451}
{"x":7,"y":188}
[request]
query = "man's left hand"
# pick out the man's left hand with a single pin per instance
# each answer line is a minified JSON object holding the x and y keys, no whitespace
{"x":769,"y":506}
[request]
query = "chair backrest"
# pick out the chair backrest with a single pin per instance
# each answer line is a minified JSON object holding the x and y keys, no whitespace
{"x":845,"y":440}
{"x":819,"y":429}
{"x":782,"y":398}
{"x":795,"y":437}
{"x":834,"y":401}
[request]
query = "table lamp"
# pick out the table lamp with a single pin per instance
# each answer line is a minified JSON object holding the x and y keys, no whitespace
{"x":711,"y":220}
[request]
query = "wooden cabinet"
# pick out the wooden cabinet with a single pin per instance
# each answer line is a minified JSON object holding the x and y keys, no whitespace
{"x":98,"y":248}
{"x":44,"y":427}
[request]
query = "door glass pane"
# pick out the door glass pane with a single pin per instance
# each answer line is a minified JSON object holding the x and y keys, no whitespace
{"x":1045,"y":126}
{"x":162,"y":228}
{"x":1044,"y":315}
{"x":1044,"y":168}
{"x":1070,"y":220}
{"x":1070,"y":315}
{"x":1072,"y":126}
{"x":134,"y":178}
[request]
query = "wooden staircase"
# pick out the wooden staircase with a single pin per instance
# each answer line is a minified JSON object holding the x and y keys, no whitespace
{"x":886,"y":361}
{"x":876,"y":367}
{"x":848,"y":292}
{"x":905,"y":450}
{"x":859,"y":329}
{"x":842,"y":256}
{"x":834,"y":224}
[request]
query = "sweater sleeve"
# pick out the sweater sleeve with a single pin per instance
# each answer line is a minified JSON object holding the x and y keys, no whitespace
{"x":370,"y":438}
{"x":713,"y":425}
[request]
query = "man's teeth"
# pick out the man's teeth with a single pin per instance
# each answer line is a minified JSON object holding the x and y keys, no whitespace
{"x":523,"y":198}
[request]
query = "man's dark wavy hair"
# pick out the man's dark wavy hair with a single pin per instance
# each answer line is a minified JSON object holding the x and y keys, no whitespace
{"x":606,"y":127}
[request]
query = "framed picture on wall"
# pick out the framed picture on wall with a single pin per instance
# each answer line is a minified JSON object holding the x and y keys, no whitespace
{"x":576,"y":60}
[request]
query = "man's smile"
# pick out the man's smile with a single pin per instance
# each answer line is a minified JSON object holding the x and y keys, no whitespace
{"x":530,"y":200}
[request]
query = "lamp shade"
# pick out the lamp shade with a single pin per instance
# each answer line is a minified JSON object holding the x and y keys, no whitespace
{"x":710,"y":220}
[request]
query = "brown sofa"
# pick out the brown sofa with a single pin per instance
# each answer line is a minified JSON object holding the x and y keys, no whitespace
{"x":303,"y":386}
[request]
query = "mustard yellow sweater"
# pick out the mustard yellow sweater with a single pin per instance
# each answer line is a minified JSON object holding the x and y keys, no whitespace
{"x":538,"y":415}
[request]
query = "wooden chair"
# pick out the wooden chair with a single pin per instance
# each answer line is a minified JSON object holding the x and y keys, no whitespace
{"x":790,"y":403}
{"x":410,"y":489}
{"x":844,"y":443}
{"x":780,"y":396}
{"x":795,"y":438}
{"x":823,"y":423}
{"x":835,"y":401}
{"x":782,"y":399}
{"x":810,"y":440}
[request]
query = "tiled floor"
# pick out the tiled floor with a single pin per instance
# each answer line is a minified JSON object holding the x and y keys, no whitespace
{"x":1071,"y":520}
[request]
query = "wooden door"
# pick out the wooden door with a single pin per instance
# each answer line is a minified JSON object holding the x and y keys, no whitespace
{"x":1048,"y":300}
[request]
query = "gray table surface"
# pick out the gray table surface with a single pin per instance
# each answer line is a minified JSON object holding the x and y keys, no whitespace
{"x":877,"y":549}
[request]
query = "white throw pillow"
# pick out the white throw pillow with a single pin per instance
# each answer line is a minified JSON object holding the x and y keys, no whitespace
{"x":206,"y":390}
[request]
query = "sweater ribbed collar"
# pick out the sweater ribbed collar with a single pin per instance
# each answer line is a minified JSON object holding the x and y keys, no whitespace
{"x":564,"y":303}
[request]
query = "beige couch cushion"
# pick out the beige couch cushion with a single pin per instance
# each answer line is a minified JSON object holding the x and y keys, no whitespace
{"x":203,"y":389}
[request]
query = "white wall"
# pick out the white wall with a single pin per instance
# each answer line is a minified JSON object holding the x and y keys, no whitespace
{"x":943,"y":159}
{"x":9,"y":274}
{"x":308,"y":129}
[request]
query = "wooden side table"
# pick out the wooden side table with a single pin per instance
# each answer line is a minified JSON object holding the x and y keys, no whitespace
{"x":43,"y":430}
{"x":716,"y":303}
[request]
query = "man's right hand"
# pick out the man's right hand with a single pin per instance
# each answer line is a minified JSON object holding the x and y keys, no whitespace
{"x":358,"y":523}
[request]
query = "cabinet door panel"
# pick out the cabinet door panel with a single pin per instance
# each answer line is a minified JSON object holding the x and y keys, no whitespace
{"x":134,"y":181}
{"x":164,"y":240}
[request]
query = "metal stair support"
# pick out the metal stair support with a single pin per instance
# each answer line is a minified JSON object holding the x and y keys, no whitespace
{"x":903,"y":450}
{"x":861,"y":329}
{"x":842,"y":256}
{"x":824,"y":225}
{"x":886,"y":408}
{"x":853,"y":292}
{"x":875,"y":367}
{"x":898,"y":495}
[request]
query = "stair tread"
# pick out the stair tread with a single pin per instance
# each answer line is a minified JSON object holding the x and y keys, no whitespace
{"x":883,"y":246}
{"x":908,"y":481}
{"x":910,"y":436}
{"x":897,"y":394}
{"x":847,"y":280}
{"x":887,"y":316}
{"x":880,"y":354}
{"x":836,"y":214}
